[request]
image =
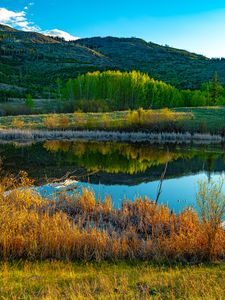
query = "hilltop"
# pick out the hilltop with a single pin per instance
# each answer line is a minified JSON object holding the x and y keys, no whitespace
{"x":34,"y":61}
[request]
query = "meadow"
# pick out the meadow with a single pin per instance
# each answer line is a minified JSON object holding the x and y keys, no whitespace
{"x":110,"y":280}
{"x":193,"y":120}
{"x":80,"y":120}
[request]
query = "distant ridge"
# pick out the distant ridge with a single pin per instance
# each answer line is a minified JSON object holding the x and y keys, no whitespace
{"x":34,"y":60}
{"x":7,"y":28}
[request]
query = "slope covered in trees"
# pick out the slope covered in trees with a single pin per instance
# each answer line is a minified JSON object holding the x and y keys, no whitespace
{"x":35,"y":61}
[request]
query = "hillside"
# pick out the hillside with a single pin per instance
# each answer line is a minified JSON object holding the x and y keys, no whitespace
{"x":35,"y":61}
{"x":162,"y":62}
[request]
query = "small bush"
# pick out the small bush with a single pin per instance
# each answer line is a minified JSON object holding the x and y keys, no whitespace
{"x":211,"y":203}
{"x":79,"y":119}
{"x":63,"y":122}
{"x":147,"y":117}
{"x":17,"y":123}
{"x":29,"y":101}
{"x":105,"y":121}
{"x":51,"y":122}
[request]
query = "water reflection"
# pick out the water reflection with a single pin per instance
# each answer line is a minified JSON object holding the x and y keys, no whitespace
{"x":119,"y":169}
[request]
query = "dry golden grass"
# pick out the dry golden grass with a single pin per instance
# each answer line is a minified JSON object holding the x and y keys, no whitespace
{"x":79,"y":227}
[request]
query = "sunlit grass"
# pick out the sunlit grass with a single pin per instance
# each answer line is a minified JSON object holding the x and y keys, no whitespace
{"x":115,"y":280}
{"x":79,"y":120}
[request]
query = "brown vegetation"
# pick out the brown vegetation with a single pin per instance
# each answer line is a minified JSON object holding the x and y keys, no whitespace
{"x":79,"y":227}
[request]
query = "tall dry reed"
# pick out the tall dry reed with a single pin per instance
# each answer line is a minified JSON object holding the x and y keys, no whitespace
{"x":80,"y":228}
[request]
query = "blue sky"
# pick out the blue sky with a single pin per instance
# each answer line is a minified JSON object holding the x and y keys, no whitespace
{"x":195,"y":25}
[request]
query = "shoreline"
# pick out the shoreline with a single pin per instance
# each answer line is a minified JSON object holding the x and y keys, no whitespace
{"x":116,"y":136}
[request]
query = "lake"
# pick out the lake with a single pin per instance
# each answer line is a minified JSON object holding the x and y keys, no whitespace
{"x":122,"y":170}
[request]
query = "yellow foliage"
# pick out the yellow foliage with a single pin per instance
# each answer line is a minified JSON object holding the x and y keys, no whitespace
{"x":79,"y":119}
{"x":63,"y":122}
{"x":17,"y":123}
{"x":105,"y":121}
{"x":145,"y":117}
{"x":51,"y":122}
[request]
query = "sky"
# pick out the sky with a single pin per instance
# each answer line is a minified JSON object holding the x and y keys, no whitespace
{"x":194,"y":25}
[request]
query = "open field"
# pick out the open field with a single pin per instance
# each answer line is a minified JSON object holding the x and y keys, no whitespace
{"x":115,"y":280}
{"x":206,"y":119}
{"x":201,"y":120}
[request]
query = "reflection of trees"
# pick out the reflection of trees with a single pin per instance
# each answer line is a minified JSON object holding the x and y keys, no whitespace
{"x":210,"y":164}
{"x":135,"y":162}
{"x":114,"y":157}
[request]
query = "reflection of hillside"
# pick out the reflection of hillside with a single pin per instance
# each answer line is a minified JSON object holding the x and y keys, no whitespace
{"x":113,"y":163}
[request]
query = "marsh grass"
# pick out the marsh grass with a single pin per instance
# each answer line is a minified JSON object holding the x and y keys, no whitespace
{"x":103,"y":135}
{"x":79,"y":227}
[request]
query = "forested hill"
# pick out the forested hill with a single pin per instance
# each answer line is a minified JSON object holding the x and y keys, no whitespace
{"x":35,"y":61}
{"x":177,"y":67}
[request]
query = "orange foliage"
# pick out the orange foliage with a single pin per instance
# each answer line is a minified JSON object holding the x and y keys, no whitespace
{"x":79,"y":227}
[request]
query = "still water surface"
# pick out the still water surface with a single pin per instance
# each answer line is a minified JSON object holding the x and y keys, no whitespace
{"x":122,"y":170}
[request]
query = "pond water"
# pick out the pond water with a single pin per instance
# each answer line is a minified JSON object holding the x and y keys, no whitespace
{"x":122,"y":170}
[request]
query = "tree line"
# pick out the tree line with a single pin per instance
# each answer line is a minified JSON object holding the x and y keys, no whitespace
{"x":116,"y":90}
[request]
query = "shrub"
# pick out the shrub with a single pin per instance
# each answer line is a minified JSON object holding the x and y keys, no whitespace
{"x":29,"y":101}
{"x":17,"y":123}
{"x":146,"y":117}
{"x":79,"y":119}
{"x":211,"y":203}
{"x":51,"y":122}
{"x":63,"y":122}
{"x":105,"y":121}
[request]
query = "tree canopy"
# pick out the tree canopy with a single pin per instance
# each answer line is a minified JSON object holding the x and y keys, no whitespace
{"x":116,"y":90}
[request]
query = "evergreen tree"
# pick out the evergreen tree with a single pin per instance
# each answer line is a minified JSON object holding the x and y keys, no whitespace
{"x":215,"y":88}
{"x":29,"y":101}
